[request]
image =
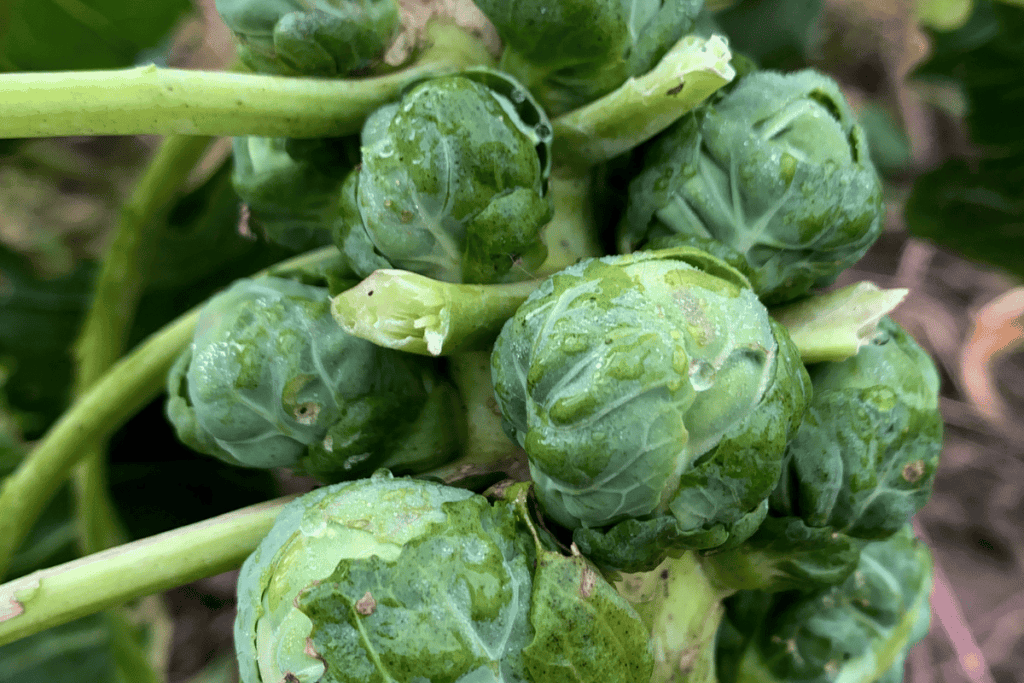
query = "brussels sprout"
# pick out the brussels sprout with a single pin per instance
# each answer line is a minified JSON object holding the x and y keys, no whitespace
{"x":270,"y":380}
{"x":654,"y":399}
{"x":291,"y":186}
{"x":311,"y":37}
{"x":777,"y":170}
{"x":864,"y":459}
{"x":856,"y":632}
{"x":402,"y":580}
{"x":452,"y":183}
{"x":571,"y":52}
{"x":858,"y":468}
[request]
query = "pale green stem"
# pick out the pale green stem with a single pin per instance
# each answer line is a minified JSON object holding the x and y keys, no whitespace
{"x":148,"y":99}
{"x":103,"y":338}
{"x":683,"y":610}
{"x":834,"y":325}
{"x":487,"y":448}
{"x":130,"y":384}
{"x":104,"y":334}
{"x":644,"y":106}
{"x":409,"y":312}
{"x":60,"y":594}
{"x":569,"y":236}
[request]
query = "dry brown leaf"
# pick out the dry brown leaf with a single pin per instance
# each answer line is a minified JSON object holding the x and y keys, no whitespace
{"x":998,"y":330}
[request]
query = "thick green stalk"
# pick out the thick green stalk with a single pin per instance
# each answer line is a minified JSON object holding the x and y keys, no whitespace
{"x":644,"y":106}
{"x":487,"y":448}
{"x":834,"y":325}
{"x":148,"y":99}
{"x":60,"y":594}
{"x":570,"y":236}
{"x":682,"y":608}
{"x":401,"y":310}
{"x":130,"y":384}
{"x":104,"y":335}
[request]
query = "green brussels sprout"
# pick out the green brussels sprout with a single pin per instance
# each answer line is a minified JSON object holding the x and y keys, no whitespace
{"x":406,"y":580}
{"x":654,"y":397}
{"x":857,"y":632}
{"x":452,"y":184}
{"x":777,"y":170}
{"x":864,"y":459}
{"x":291,"y":186}
{"x":270,"y":380}
{"x":858,"y":468}
{"x":322,"y":38}
{"x":571,"y":52}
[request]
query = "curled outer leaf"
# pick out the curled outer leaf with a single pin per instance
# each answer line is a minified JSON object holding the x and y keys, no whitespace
{"x":453,"y":182}
{"x":777,"y":171}
{"x":271,"y":381}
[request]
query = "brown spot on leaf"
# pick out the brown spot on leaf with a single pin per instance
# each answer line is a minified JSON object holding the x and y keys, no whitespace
{"x":306,"y":413}
{"x":687,"y":658}
{"x":913,"y":471}
{"x":366,"y":604}
{"x":588,"y":579}
{"x":676,"y":90}
{"x":244,"y":229}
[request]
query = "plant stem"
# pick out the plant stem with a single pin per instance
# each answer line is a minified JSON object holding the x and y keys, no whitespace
{"x":570,"y":234}
{"x":832,"y":326}
{"x":60,"y":594}
{"x":129,"y":385}
{"x":416,"y":314}
{"x":683,"y":610}
{"x":487,"y":448}
{"x":148,"y":99}
{"x":104,"y":334}
{"x":122,"y":276}
{"x":644,"y":106}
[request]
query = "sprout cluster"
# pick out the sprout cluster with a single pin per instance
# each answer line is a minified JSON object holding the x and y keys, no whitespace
{"x":658,"y":455}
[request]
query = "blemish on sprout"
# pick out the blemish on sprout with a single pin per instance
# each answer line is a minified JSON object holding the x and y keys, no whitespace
{"x":306,"y":413}
{"x":366,"y":605}
{"x":913,"y":471}
{"x":588,"y":579}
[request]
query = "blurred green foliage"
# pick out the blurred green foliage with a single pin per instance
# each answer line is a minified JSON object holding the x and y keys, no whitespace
{"x":54,"y":35}
{"x":974,"y":205}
